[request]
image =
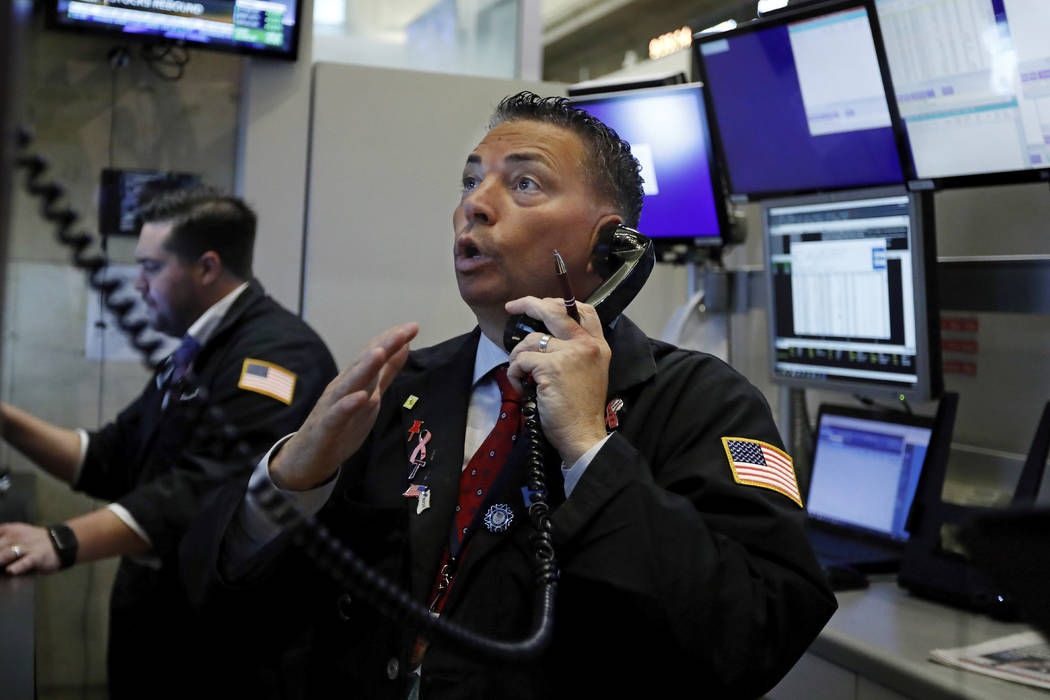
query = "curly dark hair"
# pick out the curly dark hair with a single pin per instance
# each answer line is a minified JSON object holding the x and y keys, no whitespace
{"x":614,"y":172}
{"x":205,"y":219}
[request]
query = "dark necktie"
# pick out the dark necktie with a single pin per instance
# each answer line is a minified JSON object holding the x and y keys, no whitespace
{"x":183,"y":357}
{"x":481,"y":471}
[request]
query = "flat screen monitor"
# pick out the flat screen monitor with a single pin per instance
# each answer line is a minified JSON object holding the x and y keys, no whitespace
{"x":866,"y":467}
{"x":972,"y":85}
{"x":799,"y":102}
{"x":261,"y":27}
{"x":122,"y":192}
{"x":851,"y":280}
{"x":667,"y":129}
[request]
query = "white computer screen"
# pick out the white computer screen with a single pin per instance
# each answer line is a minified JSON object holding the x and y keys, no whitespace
{"x":865,"y":472}
{"x":972,"y":83}
{"x":844,"y":305}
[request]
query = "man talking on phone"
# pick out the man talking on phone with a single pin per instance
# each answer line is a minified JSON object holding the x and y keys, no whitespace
{"x":683,"y":563}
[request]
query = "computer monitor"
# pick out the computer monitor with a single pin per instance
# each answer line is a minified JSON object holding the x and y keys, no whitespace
{"x":972,"y":85}
{"x":798,"y":102}
{"x":260,"y":27}
{"x":667,"y":129}
{"x":866,"y":467}
{"x":600,"y":85}
{"x":852,"y":303}
{"x":122,"y":192}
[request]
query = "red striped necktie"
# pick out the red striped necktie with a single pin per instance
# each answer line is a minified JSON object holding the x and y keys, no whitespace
{"x":474,"y":483}
{"x":481,"y":471}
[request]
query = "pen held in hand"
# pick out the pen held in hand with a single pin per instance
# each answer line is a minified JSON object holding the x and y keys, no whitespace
{"x":566,"y":288}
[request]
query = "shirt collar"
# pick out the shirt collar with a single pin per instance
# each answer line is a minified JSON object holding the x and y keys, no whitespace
{"x":488,"y":357}
{"x":208,"y":321}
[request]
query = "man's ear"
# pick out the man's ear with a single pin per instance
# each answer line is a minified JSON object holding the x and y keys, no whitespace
{"x":604,"y":222}
{"x":211,"y":267}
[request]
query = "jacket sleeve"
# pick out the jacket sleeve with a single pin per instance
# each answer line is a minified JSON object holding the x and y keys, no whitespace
{"x":107,"y":472}
{"x":717,"y":576}
{"x":232,"y":426}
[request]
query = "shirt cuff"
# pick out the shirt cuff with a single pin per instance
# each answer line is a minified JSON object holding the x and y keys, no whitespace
{"x":84,"y":438}
{"x":149,"y":560}
{"x":128,"y":519}
{"x":571,"y":475}
{"x":254,"y":521}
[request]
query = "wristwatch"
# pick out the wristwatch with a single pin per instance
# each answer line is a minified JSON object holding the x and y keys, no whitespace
{"x":65,"y":542}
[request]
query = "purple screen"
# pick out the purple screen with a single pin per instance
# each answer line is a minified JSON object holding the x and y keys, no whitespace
{"x":754,"y":89}
{"x":667,"y":130}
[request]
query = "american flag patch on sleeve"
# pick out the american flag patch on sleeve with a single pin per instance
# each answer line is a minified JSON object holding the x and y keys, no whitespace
{"x":758,"y":463}
{"x":268,"y":379}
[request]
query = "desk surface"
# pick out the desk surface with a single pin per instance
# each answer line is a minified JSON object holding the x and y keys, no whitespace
{"x":17,"y":604}
{"x":17,"y":664}
{"x":886,"y":634}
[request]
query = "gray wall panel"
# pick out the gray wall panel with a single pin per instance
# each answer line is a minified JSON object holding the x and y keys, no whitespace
{"x":387,"y":150}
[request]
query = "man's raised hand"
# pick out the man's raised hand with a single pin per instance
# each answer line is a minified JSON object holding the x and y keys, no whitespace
{"x":344,"y":415}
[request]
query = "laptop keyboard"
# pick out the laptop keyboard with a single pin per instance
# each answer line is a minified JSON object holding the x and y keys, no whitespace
{"x":832,"y":548}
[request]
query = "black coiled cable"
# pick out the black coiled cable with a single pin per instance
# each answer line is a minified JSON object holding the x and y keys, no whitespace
{"x":392,"y":601}
{"x":65,"y":219}
{"x":319,"y":544}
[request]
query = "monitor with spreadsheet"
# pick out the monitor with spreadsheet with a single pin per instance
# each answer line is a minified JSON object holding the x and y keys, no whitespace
{"x":852,"y":285}
{"x":798,"y":102}
{"x":972,"y":85}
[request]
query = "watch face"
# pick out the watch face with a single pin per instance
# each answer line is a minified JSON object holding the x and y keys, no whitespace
{"x":65,"y":541}
{"x":63,"y":536}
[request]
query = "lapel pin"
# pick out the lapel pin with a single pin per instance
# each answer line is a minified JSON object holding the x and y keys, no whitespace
{"x":410,"y":401}
{"x":498,"y":517}
{"x":612,"y":411}
{"x":418,"y":458}
{"x":421,"y":493}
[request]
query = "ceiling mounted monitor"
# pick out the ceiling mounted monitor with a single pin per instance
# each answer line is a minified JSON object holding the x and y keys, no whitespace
{"x":259,"y":27}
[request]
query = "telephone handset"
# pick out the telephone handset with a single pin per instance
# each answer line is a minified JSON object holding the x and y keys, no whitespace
{"x":623,"y":258}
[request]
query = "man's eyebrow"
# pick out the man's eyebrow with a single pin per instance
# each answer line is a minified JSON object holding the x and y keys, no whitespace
{"x":475,"y":159}
{"x":528,"y":157}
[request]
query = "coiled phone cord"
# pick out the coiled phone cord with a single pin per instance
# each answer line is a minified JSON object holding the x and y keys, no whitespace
{"x":391,"y":600}
{"x":319,"y":544}
{"x":65,"y":219}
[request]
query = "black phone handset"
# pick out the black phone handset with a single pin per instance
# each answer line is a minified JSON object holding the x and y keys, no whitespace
{"x":623,"y":258}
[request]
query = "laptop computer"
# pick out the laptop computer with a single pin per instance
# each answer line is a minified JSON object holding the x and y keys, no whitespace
{"x":866,"y":466}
